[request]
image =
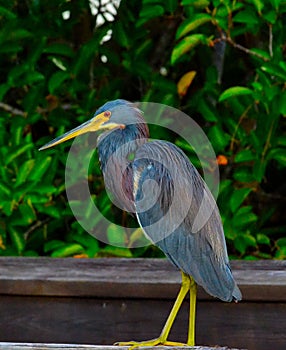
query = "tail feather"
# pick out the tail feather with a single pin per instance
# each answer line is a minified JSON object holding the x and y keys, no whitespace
{"x":237,"y":296}
{"x":213,"y":275}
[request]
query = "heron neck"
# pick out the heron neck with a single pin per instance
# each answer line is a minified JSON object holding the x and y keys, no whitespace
{"x":116,"y":151}
{"x":120,"y":144}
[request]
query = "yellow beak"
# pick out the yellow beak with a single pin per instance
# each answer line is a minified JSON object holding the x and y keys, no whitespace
{"x":92,"y":125}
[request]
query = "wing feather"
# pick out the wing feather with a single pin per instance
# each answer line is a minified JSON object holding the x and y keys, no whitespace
{"x":178,"y":213}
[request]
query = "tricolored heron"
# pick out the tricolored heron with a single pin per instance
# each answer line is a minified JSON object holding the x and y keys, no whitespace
{"x":201,"y":255}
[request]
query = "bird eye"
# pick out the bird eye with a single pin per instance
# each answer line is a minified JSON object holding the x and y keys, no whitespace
{"x":107,"y":114}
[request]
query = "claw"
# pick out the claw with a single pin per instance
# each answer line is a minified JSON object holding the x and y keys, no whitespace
{"x":152,"y":342}
{"x":188,"y":285}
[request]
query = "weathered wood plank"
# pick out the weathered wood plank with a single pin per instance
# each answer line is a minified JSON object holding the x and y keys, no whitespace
{"x":101,"y":301}
{"x":42,"y":346}
{"x":106,"y":321}
{"x":132,"y":278}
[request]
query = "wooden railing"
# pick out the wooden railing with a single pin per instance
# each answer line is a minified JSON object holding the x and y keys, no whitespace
{"x":101,"y":301}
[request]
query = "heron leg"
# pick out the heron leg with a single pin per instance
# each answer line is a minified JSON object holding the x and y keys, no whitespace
{"x":185,"y":287}
{"x":188,"y":284}
{"x":192,"y":315}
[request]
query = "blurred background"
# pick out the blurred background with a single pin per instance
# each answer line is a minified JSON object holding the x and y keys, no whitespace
{"x":221,"y":62}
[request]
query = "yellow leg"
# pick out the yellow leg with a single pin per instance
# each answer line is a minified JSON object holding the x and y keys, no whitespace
{"x":188,"y":284}
{"x":192,"y":315}
{"x":185,"y":287}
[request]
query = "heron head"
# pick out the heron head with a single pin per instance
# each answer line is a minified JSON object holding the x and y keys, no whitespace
{"x":115,"y":114}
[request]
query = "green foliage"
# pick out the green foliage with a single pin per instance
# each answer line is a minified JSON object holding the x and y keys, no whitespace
{"x":60,"y":60}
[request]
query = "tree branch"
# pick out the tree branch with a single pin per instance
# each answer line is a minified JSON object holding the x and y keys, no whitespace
{"x":12,"y":109}
{"x":246,"y":50}
{"x":35,"y":226}
{"x":229,"y":40}
{"x":270,"y":41}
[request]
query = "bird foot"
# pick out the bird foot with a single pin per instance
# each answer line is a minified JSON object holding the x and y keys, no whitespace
{"x":152,"y":342}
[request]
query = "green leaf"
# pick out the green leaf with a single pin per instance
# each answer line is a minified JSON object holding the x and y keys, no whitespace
{"x":4,"y":88}
{"x":32,"y":77}
{"x":207,"y":111}
{"x":243,"y":174}
{"x":59,"y":49}
{"x":150,"y":11}
{"x":6,"y":13}
{"x":191,"y":24}
{"x":258,"y":4}
{"x":281,"y":253}
{"x":28,"y":213}
{"x":247,"y":17}
{"x":244,"y":220}
{"x":41,"y":166}
{"x":57,"y":80}
{"x":245,"y":155}
{"x":250,"y":258}
{"x":90,"y":243}
{"x":243,"y":242}
{"x":234,"y":92}
{"x":259,"y":169}
{"x":262,"y":53}
{"x":120,"y":35}
{"x":49,"y":210}
{"x":16,"y":72}
{"x":274,"y":70}
{"x":116,"y":251}
{"x":255,"y":141}
{"x":185,"y":45}
{"x":281,"y":242}
{"x":69,"y":249}
{"x":10,"y":48}
{"x":7,"y":207}
{"x":171,"y":5}
{"x":36,"y":198}
{"x":278,"y":154}
{"x":199,"y":4}
{"x":224,"y":185}
{"x":43,"y":188}
{"x":4,"y":190}
{"x":19,"y":34}
{"x":87,"y":51}
{"x":275,"y":4}
{"x":271,"y":16}
{"x":244,"y":210}
{"x":18,"y":151}
{"x":53,"y":245}
{"x":219,"y":139}
{"x":262,"y":239}
{"x":36,"y":53}
{"x":17,"y":238}
{"x":30,"y":253}
{"x":184,"y":145}
{"x":282,"y":103}
{"x":116,"y":235}
{"x":281,"y":140}
{"x":24,"y":171}
{"x":238,"y":197}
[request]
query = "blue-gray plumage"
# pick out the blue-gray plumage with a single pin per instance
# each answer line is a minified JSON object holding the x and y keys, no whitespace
{"x":156,"y":181}
{"x":201,"y":254}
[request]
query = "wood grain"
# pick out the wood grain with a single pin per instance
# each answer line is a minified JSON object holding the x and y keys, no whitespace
{"x":132,"y":278}
{"x":101,"y":301}
{"x":41,"y":346}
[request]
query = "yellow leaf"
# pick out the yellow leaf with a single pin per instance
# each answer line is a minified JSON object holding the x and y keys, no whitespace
{"x":221,"y":159}
{"x":80,"y":256}
{"x":185,"y":82}
{"x":2,"y":246}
